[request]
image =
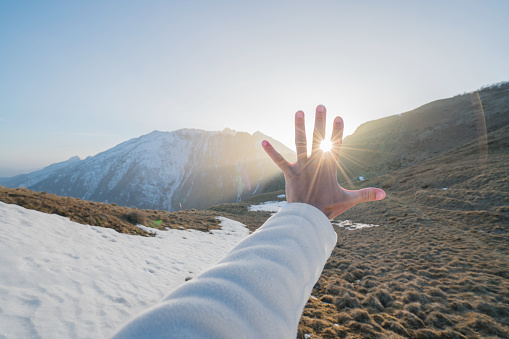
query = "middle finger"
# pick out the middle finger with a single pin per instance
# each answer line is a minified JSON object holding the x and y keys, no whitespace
{"x":319,"y":131}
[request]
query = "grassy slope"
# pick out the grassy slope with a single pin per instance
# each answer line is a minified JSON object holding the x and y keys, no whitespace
{"x":437,"y":265}
{"x":392,"y":143}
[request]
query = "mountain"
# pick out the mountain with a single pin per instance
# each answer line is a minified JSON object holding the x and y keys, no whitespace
{"x":403,"y":140}
{"x":183,"y":169}
{"x":29,"y":179}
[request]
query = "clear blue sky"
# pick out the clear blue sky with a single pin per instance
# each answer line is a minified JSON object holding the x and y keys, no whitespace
{"x":77,"y":78}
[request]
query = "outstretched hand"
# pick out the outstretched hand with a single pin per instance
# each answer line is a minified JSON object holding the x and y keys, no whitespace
{"x":313,"y":179}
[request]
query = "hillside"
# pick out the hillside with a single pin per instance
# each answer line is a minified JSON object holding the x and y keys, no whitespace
{"x":463,"y":182}
{"x":436,"y":267}
{"x":399,"y":141}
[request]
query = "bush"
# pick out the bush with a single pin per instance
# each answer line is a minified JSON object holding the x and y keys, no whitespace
{"x":136,"y":218}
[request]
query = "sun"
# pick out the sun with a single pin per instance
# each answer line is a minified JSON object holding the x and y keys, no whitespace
{"x":326,"y":145}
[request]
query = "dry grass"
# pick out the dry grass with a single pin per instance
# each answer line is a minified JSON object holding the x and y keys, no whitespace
{"x":239,"y":211}
{"x":437,"y":267}
{"x":122,"y":219}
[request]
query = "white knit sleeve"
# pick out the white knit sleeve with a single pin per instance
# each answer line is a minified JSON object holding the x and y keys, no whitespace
{"x":257,"y":291}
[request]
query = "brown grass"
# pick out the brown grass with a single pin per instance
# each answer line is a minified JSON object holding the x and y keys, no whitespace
{"x":436,"y":267}
{"x":120,"y":218}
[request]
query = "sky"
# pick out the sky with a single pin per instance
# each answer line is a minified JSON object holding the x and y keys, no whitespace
{"x":77,"y":78}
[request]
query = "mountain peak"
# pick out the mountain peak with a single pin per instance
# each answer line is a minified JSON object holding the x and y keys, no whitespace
{"x":229,"y":131}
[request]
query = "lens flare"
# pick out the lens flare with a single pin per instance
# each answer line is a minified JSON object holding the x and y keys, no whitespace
{"x":326,"y":145}
{"x":482,"y":133}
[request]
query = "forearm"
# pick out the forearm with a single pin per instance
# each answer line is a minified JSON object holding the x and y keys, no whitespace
{"x":258,"y":290}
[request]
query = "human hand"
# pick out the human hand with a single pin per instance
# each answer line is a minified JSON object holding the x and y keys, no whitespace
{"x":313,"y":180}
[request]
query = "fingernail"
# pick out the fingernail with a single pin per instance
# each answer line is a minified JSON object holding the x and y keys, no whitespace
{"x":320,"y":109}
{"x":265,"y":143}
{"x":338,"y":121}
{"x":380,"y":195}
{"x":299,"y":114}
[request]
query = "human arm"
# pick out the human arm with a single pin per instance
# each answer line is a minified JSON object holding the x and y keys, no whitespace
{"x":257,"y":291}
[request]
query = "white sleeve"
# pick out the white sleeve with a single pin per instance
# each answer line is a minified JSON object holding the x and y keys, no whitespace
{"x":258,"y":290}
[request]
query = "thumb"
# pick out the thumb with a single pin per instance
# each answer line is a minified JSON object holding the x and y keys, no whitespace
{"x":353,"y":198}
{"x":367,"y":194}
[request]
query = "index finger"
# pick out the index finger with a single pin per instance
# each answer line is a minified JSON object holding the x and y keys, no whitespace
{"x":300,"y":136}
{"x":278,"y":159}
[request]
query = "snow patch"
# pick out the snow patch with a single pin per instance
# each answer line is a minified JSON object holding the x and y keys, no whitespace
{"x":349,"y":225}
{"x":60,"y":279}
{"x":275,"y":206}
{"x":268,"y":206}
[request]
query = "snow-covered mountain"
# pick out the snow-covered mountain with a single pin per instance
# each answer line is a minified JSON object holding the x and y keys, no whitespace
{"x":183,"y":169}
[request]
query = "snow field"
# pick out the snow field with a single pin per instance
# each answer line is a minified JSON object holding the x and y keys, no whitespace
{"x":268,"y":206}
{"x":60,"y":279}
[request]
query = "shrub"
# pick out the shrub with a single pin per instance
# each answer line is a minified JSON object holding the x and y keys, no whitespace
{"x":136,"y":218}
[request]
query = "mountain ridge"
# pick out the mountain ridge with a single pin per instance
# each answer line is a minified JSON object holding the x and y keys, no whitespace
{"x":380,"y":146}
{"x":187,"y":168}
